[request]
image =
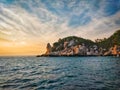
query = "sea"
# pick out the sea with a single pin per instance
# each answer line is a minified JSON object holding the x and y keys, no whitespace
{"x":60,"y":73}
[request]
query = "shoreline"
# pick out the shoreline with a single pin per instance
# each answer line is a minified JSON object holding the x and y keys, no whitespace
{"x":75,"y":55}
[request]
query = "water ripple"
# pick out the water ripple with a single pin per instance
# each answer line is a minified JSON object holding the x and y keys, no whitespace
{"x":60,"y":73}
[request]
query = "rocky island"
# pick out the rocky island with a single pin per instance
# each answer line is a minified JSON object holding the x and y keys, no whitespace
{"x":77,"y":46}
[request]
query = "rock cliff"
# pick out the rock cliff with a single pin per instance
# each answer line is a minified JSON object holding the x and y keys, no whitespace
{"x":73,"y":45}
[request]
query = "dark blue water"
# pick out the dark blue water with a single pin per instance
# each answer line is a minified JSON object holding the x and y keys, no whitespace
{"x":59,"y":73}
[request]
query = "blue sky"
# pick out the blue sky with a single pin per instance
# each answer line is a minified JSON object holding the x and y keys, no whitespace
{"x":48,"y":20}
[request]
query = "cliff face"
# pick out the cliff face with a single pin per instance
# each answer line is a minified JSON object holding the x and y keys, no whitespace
{"x":49,"y":49}
{"x":78,"y":46}
{"x":72,"y":46}
{"x":69,"y":42}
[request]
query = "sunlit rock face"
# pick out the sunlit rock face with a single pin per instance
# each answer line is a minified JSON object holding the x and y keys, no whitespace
{"x":82,"y":50}
{"x":109,"y":52}
{"x":115,"y":50}
{"x":49,"y":49}
{"x":74,"y":49}
{"x":65,"y":44}
{"x":71,"y":43}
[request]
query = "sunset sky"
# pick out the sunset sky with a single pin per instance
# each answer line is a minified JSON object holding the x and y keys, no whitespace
{"x":26,"y":26}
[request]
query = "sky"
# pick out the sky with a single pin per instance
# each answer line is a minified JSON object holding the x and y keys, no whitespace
{"x":26,"y":26}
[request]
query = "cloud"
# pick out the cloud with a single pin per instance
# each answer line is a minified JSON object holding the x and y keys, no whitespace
{"x":46,"y":21}
{"x":20,"y":25}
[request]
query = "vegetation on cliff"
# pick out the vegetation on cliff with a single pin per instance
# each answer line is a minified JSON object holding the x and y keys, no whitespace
{"x":73,"y":45}
{"x":109,"y":42}
{"x":104,"y":43}
{"x":78,"y":40}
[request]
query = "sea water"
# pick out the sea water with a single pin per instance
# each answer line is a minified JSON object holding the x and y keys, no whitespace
{"x":59,"y":73}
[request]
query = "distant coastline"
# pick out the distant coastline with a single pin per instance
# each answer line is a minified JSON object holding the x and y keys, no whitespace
{"x":73,"y":46}
{"x":73,"y":56}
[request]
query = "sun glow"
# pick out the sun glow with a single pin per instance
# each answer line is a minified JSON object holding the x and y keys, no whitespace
{"x":20,"y":48}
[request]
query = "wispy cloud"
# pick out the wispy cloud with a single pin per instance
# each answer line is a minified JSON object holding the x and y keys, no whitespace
{"x":46,"y":20}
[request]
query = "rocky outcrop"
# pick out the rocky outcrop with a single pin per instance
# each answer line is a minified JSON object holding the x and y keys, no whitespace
{"x":71,"y":46}
{"x":70,"y":49}
{"x":49,"y":49}
{"x":81,"y":50}
{"x":115,"y":50}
